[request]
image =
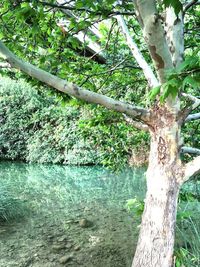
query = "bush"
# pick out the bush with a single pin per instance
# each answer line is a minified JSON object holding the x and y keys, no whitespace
{"x":36,"y":126}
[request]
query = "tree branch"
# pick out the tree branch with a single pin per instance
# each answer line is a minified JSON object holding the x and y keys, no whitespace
{"x":188,"y":109}
{"x":190,"y":150}
{"x":72,"y":89}
{"x":189,"y":5}
{"x":73,"y":8}
{"x":174,"y":28}
{"x":136,"y":124}
{"x":192,"y":168}
{"x":148,"y":73}
{"x":191,"y":117}
{"x":154,"y":35}
{"x":91,"y":46}
{"x":193,"y":99}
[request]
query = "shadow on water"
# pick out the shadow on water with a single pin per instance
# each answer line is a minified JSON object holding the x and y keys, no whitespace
{"x":76,"y":217}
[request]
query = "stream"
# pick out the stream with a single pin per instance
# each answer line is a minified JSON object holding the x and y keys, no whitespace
{"x":68,"y":216}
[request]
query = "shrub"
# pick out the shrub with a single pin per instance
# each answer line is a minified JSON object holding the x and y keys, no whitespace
{"x":36,"y":126}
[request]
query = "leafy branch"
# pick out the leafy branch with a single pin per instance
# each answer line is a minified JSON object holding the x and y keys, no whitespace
{"x":186,"y":74}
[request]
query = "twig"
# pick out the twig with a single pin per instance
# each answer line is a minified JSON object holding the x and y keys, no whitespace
{"x":107,"y":42}
{"x":189,"y":5}
{"x":193,"y":99}
{"x":136,"y":124}
{"x":191,"y":117}
{"x":67,"y":7}
{"x":190,"y":150}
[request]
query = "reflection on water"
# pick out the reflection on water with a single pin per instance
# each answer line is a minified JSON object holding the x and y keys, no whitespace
{"x":60,"y":196}
{"x":55,"y":185}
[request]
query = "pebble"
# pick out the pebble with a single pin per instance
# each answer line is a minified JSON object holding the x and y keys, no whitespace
{"x":65,"y":259}
{"x":84,"y":223}
{"x":62,"y":238}
{"x":76,"y":248}
{"x":58,"y":247}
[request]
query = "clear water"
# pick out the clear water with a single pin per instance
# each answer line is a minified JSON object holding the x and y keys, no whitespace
{"x":56,"y":200}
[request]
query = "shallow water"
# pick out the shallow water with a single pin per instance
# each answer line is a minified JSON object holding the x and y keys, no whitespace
{"x":58,"y":201}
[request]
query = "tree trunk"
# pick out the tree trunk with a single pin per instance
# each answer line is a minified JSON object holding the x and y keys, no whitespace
{"x":156,"y":240}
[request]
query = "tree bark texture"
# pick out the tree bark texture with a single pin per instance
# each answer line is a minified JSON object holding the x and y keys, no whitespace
{"x":156,"y":240}
{"x":165,"y":173}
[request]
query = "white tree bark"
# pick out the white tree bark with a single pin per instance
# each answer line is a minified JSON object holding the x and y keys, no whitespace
{"x":195,"y":100}
{"x":5,"y":65}
{"x":174,"y":28}
{"x":156,"y":239}
{"x":136,"y":124}
{"x":192,"y":168}
{"x":148,"y":73}
{"x":191,"y":117}
{"x":190,"y":150}
{"x":83,"y":38}
{"x":154,"y":35}
{"x":165,"y":172}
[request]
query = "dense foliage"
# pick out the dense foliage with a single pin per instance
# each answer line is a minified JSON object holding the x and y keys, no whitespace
{"x":54,"y":128}
{"x":37,"y":126}
{"x":39,"y":38}
{"x":40,"y":127}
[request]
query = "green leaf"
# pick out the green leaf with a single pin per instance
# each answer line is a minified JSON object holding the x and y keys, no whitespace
{"x":176,"y":4}
{"x":154,"y":92}
{"x":165,"y":93}
{"x":170,"y":88}
{"x":191,"y":62}
{"x":192,"y":81}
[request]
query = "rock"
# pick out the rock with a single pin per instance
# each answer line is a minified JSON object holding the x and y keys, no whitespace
{"x":84,"y":223}
{"x":39,"y":245}
{"x":62,"y":239}
{"x":58,"y":247}
{"x":76,"y":248}
{"x":65,"y":259}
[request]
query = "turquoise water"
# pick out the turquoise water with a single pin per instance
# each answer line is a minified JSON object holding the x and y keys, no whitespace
{"x":56,"y":201}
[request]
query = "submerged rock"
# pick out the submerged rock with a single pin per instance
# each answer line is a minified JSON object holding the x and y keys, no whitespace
{"x":62,"y":239}
{"x":76,"y":248}
{"x":84,"y":223}
{"x":58,"y":247}
{"x":65,"y":259}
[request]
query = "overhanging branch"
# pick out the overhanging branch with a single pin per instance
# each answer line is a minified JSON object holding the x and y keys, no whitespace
{"x":136,"y":124}
{"x":190,"y":4}
{"x":188,"y":109}
{"x":195,"y":100}
{"x":190,"y":150}
{"x":83,"y":9}
{"x":192,"y":168}
{"x":72,"y":89}
{"x":191,"y":117}
{"x":148,"y":73}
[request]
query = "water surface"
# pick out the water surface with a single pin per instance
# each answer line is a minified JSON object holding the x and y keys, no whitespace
{"x":57,"y":199}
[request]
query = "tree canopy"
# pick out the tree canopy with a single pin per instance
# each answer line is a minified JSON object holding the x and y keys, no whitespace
{"x":138,"y":58}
